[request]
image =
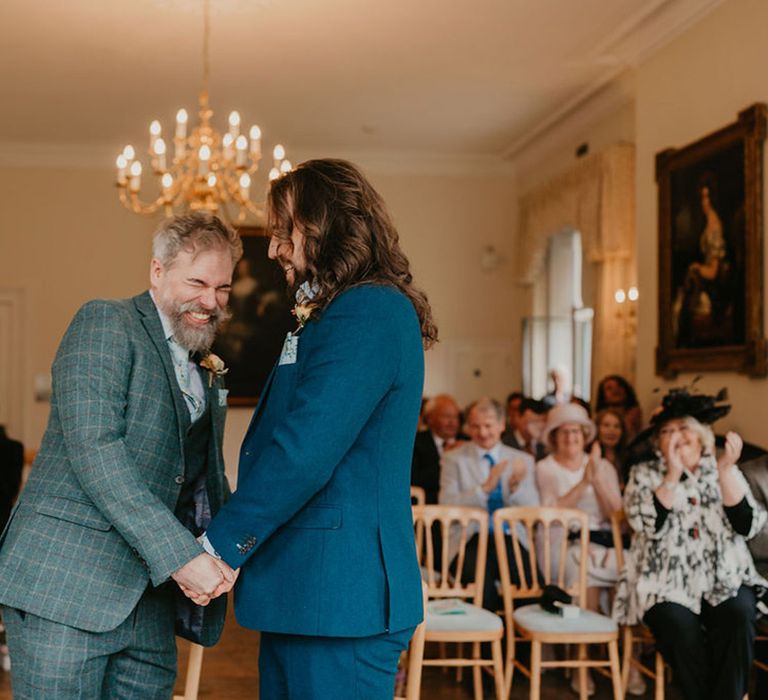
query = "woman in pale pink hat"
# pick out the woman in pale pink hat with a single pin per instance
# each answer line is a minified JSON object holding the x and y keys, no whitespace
{"x":569,"y":477}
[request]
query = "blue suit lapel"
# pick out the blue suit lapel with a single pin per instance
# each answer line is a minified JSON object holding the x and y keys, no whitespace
{"x":151,"y":322}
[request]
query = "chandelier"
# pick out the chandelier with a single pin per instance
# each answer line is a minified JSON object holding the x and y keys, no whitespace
{"x":207,"y":171}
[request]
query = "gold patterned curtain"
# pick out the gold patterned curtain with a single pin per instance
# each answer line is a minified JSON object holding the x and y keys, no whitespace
{"x":597,"y":198}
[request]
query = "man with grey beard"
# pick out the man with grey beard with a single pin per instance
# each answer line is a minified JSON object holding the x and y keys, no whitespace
{"x":100,"y":562}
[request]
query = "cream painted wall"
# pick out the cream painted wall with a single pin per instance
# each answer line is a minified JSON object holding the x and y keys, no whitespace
{"x":695,"y":85}
{"x":68,"y":240}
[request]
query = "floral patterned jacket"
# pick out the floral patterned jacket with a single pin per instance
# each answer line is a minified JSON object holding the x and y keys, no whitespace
{"x":689,"y":553}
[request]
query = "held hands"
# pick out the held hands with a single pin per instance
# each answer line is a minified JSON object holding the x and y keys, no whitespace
{"x":732,"y":452}
{"x":204,"y":578}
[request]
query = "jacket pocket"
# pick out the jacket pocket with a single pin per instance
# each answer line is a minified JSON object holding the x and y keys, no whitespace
{"x":78,"y":512}
{"x":317,"y":518}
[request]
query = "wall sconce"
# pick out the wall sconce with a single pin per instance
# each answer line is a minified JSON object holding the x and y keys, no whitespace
{"x":626,"y":312}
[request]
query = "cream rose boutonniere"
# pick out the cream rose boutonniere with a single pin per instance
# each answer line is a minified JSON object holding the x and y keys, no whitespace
{"x":303,"y":312}
{"x":215,"y":366}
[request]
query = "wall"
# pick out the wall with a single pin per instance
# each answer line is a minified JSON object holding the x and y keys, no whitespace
{"x":68,"y":240}
{"x":693,"y":86}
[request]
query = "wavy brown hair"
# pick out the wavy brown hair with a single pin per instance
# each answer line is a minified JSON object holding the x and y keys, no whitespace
{"x":349,"y":237}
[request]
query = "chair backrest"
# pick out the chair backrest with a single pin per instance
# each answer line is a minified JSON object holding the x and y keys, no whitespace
{"x":418,"y":496}
{"x":545,"y":528}
{"x":619,"y":526}
{"x":416,"y":656}
{"x":460,"y":523}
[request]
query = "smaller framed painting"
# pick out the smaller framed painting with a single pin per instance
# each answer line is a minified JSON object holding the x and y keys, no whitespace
{"x":250,"y":342}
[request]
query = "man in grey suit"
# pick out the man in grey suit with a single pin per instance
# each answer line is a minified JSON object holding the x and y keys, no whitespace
{"x":129,"y":473}
{"x":485,"y":473}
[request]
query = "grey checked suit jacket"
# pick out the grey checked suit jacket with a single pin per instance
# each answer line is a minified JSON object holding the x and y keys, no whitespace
{"x":95,"y":523}
{"x":462,"y":474}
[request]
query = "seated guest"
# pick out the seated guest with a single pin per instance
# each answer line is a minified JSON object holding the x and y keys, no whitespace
{"x":529,"y":424}
{"x":561,"y":386}
{"x":691,"y":578}
{"x":611,"y":435}
{"x":442,"y":417}
{"x":616,"y":392}
{"x":513,"y":417}
{"x":485,"y":473}
{"x":571,"y":478}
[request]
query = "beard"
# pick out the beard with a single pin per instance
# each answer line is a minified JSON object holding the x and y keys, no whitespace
{"x":193,"y":338}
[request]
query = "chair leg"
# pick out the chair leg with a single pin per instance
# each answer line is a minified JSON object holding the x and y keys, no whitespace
{"x":459,"y":655}
{"x":477,"y":676}
{"x":618,"y":687}
{"x":659,"y":691}
{"x":535,"y":670}
{"x":509,"y":666}
{"x":583,"y":695}
{"x":626,"y":663}
{"x":498,"y":670}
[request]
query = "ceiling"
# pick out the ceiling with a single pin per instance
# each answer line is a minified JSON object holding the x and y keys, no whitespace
{"x":433,"y":77}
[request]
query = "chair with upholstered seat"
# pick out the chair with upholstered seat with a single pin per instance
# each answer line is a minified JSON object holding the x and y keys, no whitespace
{"x":635,"y":634}
{"x":194,"y":667}
{"x":454,"y":611}
{"x":534,"y":624}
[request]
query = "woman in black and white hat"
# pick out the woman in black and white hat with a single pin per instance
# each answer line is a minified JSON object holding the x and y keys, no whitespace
{"x":690,"y":576}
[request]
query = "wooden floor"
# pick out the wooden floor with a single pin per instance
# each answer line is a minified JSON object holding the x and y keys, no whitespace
{"x":230,"y":673}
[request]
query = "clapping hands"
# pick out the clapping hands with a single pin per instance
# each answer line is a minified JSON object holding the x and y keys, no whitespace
{"x":732,"y":451}
{"x":204,"y":578}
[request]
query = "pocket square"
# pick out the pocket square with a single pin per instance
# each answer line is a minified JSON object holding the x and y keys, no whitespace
{"x":290,"y":350}
{"x":223,"y":397}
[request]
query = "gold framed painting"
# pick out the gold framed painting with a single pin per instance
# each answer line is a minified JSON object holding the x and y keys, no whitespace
{"x":711,"y":251}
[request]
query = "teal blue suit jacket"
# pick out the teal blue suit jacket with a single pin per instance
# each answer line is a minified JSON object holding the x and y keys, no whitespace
{"x":95,"y":523}
{"x":320,"y":523}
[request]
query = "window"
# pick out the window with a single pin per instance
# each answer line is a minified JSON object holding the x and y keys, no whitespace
{"x":559,"y":332}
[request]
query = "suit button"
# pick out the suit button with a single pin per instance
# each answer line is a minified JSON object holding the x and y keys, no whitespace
{"x":179,"y":479}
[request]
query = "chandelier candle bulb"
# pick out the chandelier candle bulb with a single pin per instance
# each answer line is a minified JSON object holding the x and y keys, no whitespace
{"x":181,"y":124}
{"x":255,"y":135}
{"x":245,"y":184}
{"x":211,"y":181}
{"x":278,"y":153}
{"x":122,"y":167}
{"x":234,"y":124}
{"x":154,"y":133}
{"x":227,"y":142}
{"x":285,"y":166}
{"x":135,"y":176}
{"x":167,"y":182}
{"x":274,"y":174}
{"x":160,"y":154}
{"x":129,"y":153}
{"x":242,"y":147}
{"x":204,"y":155}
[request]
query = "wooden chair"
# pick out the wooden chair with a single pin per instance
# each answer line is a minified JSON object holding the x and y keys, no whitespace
{"x":635,"y":634}
{"x":418,"y":498}
{"x":531,"y":623}
{"x":415,"y":658}
{"x":470,"y":623}
{"x":194,"y":667}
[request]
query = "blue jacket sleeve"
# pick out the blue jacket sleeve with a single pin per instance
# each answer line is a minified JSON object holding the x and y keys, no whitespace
{"x":352,"y":364}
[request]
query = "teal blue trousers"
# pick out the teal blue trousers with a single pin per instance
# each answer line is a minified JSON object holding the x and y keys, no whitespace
{"x":296,"y":667}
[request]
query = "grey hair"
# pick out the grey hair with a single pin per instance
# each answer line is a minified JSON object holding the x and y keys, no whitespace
{"x":191,"y":232}
{"x":702,"y":431}
{"x":487,"y":405}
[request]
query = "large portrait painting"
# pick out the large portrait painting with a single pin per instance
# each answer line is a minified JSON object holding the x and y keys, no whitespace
{"x":250,"y":342}
{"x":711,"y":251}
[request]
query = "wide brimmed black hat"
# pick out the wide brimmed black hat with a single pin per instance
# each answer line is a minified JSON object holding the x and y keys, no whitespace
{"x":680,"y":402}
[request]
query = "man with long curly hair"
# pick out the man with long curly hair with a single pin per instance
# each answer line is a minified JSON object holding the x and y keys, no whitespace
{"x":320,"y":525}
